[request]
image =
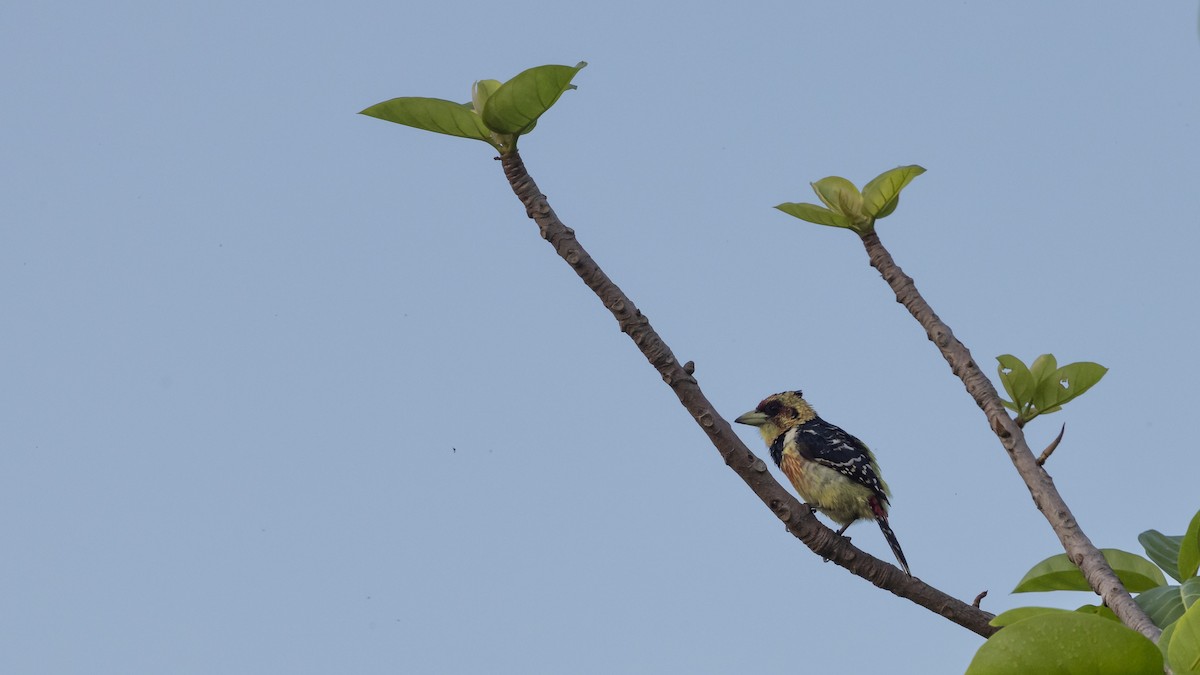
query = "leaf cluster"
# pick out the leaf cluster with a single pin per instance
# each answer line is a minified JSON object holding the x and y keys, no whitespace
{"x":497,"y":114}
{"x":1043,"y":387}
{"x":1092,"y":639}
{"x":846,"y":207}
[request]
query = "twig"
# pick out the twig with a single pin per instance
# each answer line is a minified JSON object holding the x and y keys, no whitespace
{"x":979,"y":598}
{"x":1079,"y":548}
{"x":796,"y":516}
{"x":1041,"y":460}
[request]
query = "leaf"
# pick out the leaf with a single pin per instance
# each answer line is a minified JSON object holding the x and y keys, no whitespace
{"x":840,"y":196}
{"x":1017,"y":380}
{"x":432,"y":114}
{"x":815,"y":214}
{"x":516,"y":105}
{"x":1067,"y":643}
{"x":1190,"y":592}
{"x":1163,"y":604}
{"x":1163,"y":550}
{"x":1164,"y":641}
{"x":1100,"y":611}
{"x":1183,"y":653}
{"x":1018,"y":613}
{"x":889,"y":208}
{"x":1058,"y":573}
{"x":1043,"y":368}
{"x":1189,"y":549}
{"x":882,"y":194}
{"x":481,"y":92}
{"x":1066,"y":384}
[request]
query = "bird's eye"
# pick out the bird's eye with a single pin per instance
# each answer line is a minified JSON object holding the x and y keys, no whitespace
{"x":771,"y":409}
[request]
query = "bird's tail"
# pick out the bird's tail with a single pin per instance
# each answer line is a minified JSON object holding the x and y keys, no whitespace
{"x":892,"y":541}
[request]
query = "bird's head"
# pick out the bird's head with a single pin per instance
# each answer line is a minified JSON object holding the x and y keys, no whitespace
{"x":777,"y":413}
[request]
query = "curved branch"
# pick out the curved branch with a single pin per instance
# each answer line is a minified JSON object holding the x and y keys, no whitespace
{"x":796,"y":516}
{"x":1079,"y":548}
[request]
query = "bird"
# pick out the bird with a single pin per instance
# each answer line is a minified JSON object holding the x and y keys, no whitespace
{"x":833,"y":471}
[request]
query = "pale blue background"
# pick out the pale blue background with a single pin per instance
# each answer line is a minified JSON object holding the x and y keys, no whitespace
{"x":291,"y":390}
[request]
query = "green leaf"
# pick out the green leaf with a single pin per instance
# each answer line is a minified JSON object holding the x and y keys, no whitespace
{"x":1043,"y":368}
{"x":888,"y":208}
{"x":1183,"y":653}
{"x":1043,"y":372}
{"x":1189,"y":549}
{"x":1018,"y":613}
{"x":1100,"y":611}
{"x":431,"y":114}
{"x":1190,"y":591}
{"x":882,"y":194}
{"x":1163,"y":604}
{"x":516,"y":105}
{"x":1164,"y":641}
{"x":815,"y":214}
{"x":1067,"y":643}
{"x":840,"y":196}
{"x":1163,"y":550}
{"x":1058,"y":573}
{"x":1017,"y":380}
{"x":1066,"y":384}
{"x":481,"y":92}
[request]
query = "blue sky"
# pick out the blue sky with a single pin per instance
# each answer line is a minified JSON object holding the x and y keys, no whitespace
{"x":289,"y":389}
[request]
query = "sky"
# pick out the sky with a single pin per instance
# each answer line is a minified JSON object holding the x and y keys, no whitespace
{"x":287,"y":389}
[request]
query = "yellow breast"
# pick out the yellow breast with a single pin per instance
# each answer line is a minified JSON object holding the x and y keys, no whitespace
{"x":833,"y":494}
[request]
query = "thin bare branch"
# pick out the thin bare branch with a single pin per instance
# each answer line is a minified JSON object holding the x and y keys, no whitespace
{"x":796,"y":516}
{"x":1079,"y":548}
{"x":1041,"y":460}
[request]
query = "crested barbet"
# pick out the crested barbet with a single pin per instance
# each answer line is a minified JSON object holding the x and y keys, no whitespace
{"x":834,"y":472}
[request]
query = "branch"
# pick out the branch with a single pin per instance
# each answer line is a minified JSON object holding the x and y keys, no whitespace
{"x":796,"y":516}
{"x":1079,"y":548}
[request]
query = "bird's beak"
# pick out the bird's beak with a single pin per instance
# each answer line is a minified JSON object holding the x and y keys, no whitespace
{"x":754,"y":418}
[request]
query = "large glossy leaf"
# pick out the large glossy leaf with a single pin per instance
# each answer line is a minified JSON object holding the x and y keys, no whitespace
{"x":1100,"y":611}
{"x":1016,"y":378}
{"x":1163,"y":604}
{"x":881,"y":195}
{"x":840,"y":196}
{"x":1190,"y":591}
{"x":815,"y":214}
{"x":432,"y":114}
{"x":1163,"y":550}
{"x":516,"y":105}
{"x":1183,"y":654}
{"x":1020,"y":613}
{"x":1058,"y":573}
{"x":1066,"y":384}
{"x":1189,"y":549}
{"x":1164,"y":641}
{"x":1067,"y":643}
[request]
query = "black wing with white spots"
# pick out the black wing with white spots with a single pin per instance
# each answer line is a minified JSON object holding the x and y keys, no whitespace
{"x":829,"y":445}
